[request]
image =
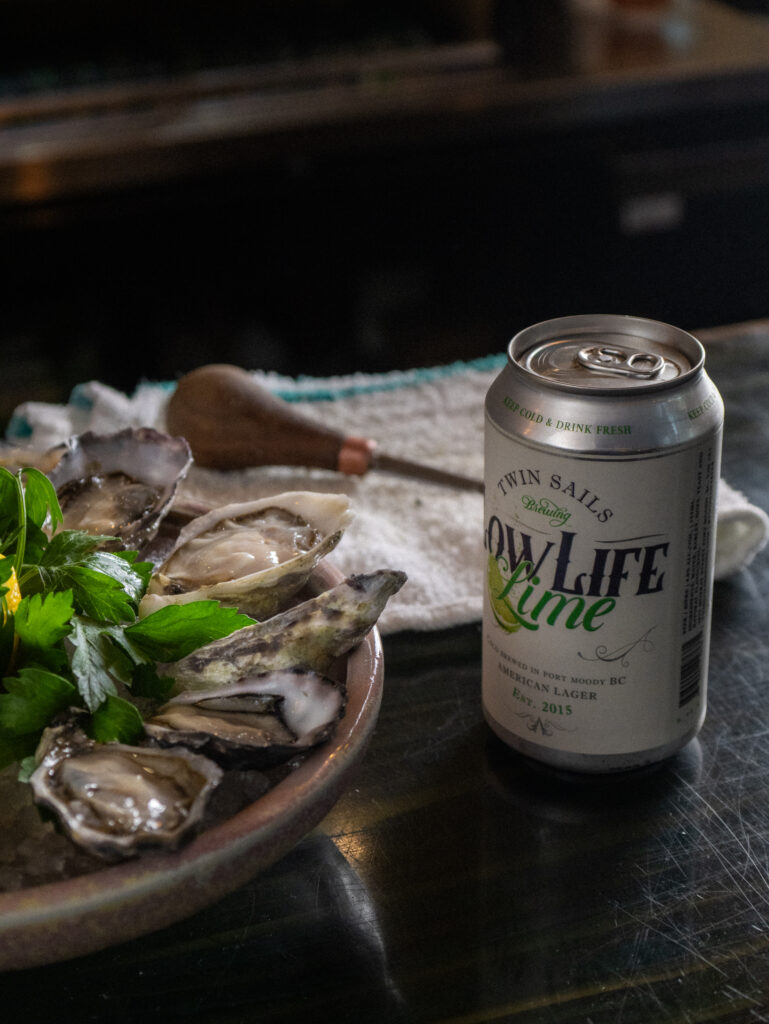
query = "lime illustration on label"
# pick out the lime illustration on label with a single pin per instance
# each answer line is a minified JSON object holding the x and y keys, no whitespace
{"x":499,"y":599}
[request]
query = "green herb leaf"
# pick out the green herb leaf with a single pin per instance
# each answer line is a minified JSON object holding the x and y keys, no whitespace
{"x":118,"y":568}
{"x":32,"y":699}
{"x":9,"y":503}
{"x":147,"y":683}
{"x":116,"y":720}
{"x":107,"y":586}
{"x":17,"y":748}
{"x":6,"y":642}
{"x":6,"y":570}
{"x":94,"y":659}
{"x":25,"y":505}
{"x":174,"y":631}
{"x":99,"y":596}
{"x":27,"y":767}
{"x":40,"y":498}
{"x":14,"y":515}
{"x":141,"y":569}
{"x":42,"y":621}
{"x":35,"y":545}
{"x":70,"y":546}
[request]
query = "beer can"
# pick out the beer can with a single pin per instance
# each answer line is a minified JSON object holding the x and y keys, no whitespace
{"x":602,"y":461}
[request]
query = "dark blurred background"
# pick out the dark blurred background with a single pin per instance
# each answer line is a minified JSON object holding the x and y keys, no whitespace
{"x":322,"y":187}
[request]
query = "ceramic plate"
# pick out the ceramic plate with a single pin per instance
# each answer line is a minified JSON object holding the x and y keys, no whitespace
{"x":65,"y":919}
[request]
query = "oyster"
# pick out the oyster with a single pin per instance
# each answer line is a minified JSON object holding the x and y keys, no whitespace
{"x":252,"y":555}
{"x":259,"y":721}
{"x":15,"y":457}
{"x":120,"y":484}
{"x":308,"y":636}
{"x":115,"y":800}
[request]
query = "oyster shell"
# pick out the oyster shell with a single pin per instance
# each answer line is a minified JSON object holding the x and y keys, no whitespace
{"x":252,"y":555}
{"x":15,"y":457}
{"x":308,"y":636}
{"x":259,"y":721}
{"x":120,"y":484}
{"x":114,"y":800}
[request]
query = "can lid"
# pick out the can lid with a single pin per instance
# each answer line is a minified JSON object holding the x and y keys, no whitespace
{"x":608,"y":353}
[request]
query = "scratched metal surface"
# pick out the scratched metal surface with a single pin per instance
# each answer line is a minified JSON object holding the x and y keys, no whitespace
{"x":453,"y":884}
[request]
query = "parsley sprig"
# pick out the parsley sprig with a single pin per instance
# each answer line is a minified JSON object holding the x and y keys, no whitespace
{"x":74,"y":639}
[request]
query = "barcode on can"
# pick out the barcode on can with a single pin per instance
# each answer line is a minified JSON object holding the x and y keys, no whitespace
{"x":691,"y":665}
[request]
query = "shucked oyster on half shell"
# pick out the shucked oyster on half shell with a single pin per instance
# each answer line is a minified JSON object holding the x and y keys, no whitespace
{"x":256,"y":722}
{"x":120,"y":484}
{"x":115,"y":800}
{"x":252,"y":555}
{"x":310,"y":635}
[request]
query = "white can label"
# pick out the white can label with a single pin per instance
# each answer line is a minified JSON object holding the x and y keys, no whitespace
{"x":597,"y":594}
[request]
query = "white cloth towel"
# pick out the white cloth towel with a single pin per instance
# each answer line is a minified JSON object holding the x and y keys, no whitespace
{"x":432,"y":532}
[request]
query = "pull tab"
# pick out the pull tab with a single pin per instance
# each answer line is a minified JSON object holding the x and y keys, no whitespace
{"x":624,"y":362}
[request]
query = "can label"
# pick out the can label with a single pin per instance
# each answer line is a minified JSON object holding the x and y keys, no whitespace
{"x":603,"y":442}
{"x":596,"y":624}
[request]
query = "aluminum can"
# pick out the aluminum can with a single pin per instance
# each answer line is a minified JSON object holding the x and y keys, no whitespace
{"x":602,"y":461}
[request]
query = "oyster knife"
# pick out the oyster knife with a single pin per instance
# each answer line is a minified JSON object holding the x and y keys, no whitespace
{"x":232,"y":422}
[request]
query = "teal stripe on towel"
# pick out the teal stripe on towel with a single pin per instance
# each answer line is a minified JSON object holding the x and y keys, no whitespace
{"x":305,"y":388}
{"x":319,"y":389}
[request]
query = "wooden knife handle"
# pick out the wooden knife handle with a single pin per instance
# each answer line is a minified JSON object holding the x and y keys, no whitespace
{"x":230,"y":422}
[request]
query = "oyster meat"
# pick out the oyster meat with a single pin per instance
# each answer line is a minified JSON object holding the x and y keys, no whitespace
{"x":121,"y":484}
{"x":308,"y":636}
{"x":252,"y":555}
{"x":115,"y":800}
{"x":256,"y":722}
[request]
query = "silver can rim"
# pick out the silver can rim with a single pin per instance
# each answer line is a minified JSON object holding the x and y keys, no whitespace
{"x":634,"y":326}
